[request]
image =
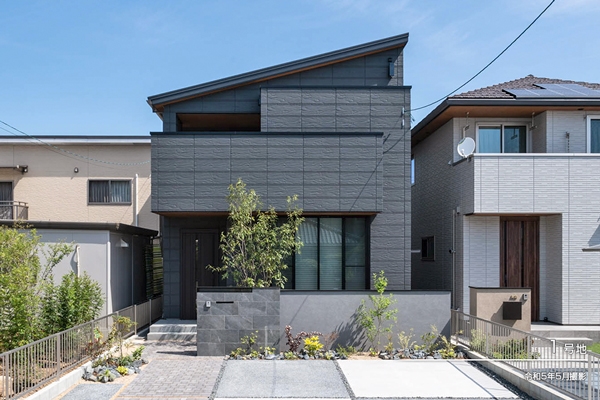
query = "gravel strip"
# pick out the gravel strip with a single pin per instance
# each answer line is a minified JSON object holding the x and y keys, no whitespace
{"x":503,"y":382}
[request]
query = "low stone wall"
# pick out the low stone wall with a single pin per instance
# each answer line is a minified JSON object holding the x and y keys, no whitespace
{"x":233,"y":314}
{"x":335,"y":311}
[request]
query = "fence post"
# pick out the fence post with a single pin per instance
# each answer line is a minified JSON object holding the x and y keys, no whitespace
{"x":590,"y":386}
{"x":134,"y":319}
{"x":6,"y":375}
{"x":487,"y":339}
{"x":58,"y":358}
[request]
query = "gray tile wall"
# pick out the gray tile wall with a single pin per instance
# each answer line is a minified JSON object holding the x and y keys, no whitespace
{"x":329,"y":172}
{"x":233,"y":315}
{"x":332,"y":172}
{"x":350,"y":110}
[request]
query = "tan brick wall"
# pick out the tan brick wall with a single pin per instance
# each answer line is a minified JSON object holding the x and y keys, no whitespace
{"x":54,"y":192}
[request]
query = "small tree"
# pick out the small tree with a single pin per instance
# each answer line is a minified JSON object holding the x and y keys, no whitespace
{"x":23,"y":282}
{"x":256,"y":244}
{"x":378,"y":318}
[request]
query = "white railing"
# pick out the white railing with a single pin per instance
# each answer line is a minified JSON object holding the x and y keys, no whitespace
{"x":568,"y":367}
{"x":26,"y":368}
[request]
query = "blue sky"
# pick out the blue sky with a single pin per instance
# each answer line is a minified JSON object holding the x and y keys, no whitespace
{"x":86,"y":68}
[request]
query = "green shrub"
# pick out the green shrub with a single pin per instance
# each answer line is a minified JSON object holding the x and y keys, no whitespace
{"x":78,"y":299}
{"x":312,"y":345}
{"x":24,"y":279}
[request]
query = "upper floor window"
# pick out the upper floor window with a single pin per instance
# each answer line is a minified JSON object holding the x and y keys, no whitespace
{"x":109,"y":192}
{"x":593,"y":134}
{"x":502,"y":139}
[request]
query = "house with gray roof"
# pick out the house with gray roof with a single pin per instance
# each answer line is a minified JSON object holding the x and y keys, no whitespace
{"x":519,"y":209}
{"x":331,"y":128}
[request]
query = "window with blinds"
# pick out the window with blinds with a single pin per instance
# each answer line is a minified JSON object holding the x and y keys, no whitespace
{"x":334,"y":255}
{"x":109,"y":192}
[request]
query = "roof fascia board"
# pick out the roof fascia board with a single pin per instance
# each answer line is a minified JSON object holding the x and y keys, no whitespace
{"x":96,"y":226}
{"x":449,"y":102}
{"x":75,"y":140}
{"x":279,"y":70}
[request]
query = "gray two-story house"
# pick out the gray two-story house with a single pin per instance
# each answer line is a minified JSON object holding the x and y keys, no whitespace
{"x":332,"y":128}
{"x":524,"y":209}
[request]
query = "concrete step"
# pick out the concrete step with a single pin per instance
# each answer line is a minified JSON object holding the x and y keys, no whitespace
{"x":173,"y":326}
{"x":171,"y":336}
{"x":173,"y":329}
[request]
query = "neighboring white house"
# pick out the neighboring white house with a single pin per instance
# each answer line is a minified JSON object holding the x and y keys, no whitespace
{"x":92,"y":191}
{"x":524,"y":209}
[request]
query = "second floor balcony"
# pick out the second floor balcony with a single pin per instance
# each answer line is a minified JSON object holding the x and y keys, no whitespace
{"x":14,"y":210}
{"x":535,"y":183}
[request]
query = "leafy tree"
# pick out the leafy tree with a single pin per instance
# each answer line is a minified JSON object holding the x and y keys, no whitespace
{"x":23,"y":282}
{"x":257,"y":244}
{"x":379,"y":318}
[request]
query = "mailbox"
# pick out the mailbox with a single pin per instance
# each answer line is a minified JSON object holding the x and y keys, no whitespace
{"x":512,"y":310}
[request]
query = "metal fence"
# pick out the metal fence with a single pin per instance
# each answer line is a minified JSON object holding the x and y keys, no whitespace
{"x":26,"y":368}
{"x":567,"y":367}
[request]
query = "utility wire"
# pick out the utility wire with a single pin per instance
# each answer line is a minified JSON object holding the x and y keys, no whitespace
{"x":474,"y":76}
{"x":67,"y":151}
{"x":490,"y":63}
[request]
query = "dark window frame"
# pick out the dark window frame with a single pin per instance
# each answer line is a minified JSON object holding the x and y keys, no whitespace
{"x":428,"y":248}
{"x":292,"y":263}
{"x":109,"y":202}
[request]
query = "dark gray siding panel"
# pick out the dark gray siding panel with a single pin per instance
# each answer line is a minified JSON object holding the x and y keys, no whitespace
{"x":193,"y":171}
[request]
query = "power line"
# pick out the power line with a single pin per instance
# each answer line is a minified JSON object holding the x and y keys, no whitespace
{"x":474,"y":76}
{"x":67,"y":151}
{"x":490,"y":63}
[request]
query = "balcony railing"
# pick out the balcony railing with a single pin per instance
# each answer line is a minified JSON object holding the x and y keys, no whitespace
{"x":14,"y":210}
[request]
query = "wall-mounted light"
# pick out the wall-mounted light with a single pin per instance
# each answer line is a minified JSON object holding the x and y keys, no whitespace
{"x":22,"y":168}
{"x":76,"y":170}
{"x":122,"y":243}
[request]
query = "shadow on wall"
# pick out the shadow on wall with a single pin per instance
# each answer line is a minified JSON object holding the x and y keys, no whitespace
{"x":351,"y":334}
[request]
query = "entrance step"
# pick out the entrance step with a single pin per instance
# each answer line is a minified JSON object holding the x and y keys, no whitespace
{"x":173,"y":329}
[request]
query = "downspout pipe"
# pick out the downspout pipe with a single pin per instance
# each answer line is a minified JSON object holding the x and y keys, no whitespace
{"x":135,"y":201}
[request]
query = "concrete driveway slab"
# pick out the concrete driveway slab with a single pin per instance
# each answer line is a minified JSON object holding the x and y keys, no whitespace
{"x":281,"y":379}
{"x":421,"y":379}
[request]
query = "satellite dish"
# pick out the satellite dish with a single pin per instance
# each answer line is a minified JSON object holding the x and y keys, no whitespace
{"x":466,"y":147}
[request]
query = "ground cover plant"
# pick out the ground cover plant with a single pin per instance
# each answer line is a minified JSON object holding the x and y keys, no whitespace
{"x":113,"y":357}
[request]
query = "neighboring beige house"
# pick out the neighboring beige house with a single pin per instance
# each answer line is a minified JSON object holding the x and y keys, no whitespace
{"x":77,"y":179}
{"x":92,"y":191}
{"x":523,"y":209}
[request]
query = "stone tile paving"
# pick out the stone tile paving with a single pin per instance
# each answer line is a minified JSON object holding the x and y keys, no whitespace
{"x":174,"y":372}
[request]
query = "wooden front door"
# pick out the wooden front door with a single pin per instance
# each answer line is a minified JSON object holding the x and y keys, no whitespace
{"x":199,"y":248}
{"x":520,"y":256}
